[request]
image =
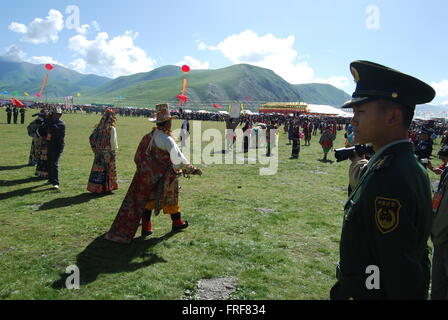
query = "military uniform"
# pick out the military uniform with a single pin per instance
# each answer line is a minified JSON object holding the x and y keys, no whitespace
{"x":387,"y":218}
{"x":22,"y":115}
{"x":8,"y":114}
{"x":15,"y":114}
{"x":387,"y":222}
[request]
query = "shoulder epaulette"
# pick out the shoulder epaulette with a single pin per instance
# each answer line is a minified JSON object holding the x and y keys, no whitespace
{"x":382,"y":163}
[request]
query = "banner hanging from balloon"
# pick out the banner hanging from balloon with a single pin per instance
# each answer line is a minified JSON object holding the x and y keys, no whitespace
{"x":43,"y":84}
{"x":49,"y":67}
{"x":182,"y":97}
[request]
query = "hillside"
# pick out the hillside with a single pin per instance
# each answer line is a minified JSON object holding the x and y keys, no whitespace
{"x":234,"y":83}
{"x":27,"y":77}
{"x":320,"y":93}
{"x":206,"y":86}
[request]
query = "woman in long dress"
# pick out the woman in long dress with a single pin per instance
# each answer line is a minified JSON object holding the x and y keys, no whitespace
{"x":103,"y":140}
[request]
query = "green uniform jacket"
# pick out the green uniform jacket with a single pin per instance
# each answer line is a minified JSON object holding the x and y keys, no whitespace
{"x":387,"y":223}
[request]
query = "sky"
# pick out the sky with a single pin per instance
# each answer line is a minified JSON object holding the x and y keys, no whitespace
{"x":301,"y":41}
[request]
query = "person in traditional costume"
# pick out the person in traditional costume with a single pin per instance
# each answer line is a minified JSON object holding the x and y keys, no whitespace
{"x":42,"y":166}
{"x":230,"y":132}
{"x":103,"y":140}
{"x":184,"y":132}
{"x":307,"y":131}
{"x":54,"y":128}
{"x":155,"y":185}
{"x":326,"y":141}
{"x":36,"y":143}
{"x":294,"y":134}
{"x":246,"y":134}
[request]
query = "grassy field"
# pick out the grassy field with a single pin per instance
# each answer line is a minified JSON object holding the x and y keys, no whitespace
{"x":278,"y":235}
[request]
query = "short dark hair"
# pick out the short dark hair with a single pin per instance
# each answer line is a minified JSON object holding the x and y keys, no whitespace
{"x":406,"y":111}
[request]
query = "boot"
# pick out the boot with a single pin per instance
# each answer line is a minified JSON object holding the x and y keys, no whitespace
{"x":146,"y":224}
{"x":178,"y":224}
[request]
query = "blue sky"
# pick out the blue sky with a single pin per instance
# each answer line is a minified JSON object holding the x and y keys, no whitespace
{"x":302,"y":41}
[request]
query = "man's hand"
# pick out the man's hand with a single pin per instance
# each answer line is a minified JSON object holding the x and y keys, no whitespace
{"x":191,"y":170}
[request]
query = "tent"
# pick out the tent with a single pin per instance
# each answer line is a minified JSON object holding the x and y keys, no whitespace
{"x":320,"y":109}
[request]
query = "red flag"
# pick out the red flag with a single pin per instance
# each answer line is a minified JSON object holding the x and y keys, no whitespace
{"x":217,"y":106}
{"x":182,"y":97}
{"x":16,"y":102}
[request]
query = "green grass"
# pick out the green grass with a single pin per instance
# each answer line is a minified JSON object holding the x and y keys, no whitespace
{"x":288,"y":252}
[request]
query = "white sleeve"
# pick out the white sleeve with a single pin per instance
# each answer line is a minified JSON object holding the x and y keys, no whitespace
{"x":113,"y":139}
{"x":167,"y":143}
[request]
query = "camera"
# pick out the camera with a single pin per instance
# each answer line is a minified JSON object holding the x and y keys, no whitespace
{"x":345,"y":153}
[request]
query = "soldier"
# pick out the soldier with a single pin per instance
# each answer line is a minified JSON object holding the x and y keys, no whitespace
{"x":22,"y":115}
{"x":387,"y":220}
{"x":15,"y":114}
{"x":8,"y":113}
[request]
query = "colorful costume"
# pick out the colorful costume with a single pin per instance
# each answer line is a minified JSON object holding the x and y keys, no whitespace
{"x":103,"y":140}
{"x":326,"y":141}
{"x":42,"y":166}
{"x":155,"y":186}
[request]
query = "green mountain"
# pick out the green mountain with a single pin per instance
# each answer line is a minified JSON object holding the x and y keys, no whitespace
{"x":204,"y":87}
{"x":234,"y":83}
{"x":27,"y":77}
{"x":127,"y":81}
{"x":320,"y":93}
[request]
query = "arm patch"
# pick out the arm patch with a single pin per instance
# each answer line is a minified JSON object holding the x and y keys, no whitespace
{"x":387,"y":214}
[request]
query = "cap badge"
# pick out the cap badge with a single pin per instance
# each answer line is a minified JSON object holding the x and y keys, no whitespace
{"x":355,"y":74}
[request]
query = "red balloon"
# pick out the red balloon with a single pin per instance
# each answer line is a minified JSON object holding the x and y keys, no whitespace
{"x":48,"y":67}
{"x":185,"y":68}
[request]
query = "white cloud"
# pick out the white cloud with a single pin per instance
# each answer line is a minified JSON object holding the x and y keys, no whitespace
{"x":14,"y":53}
{"x":266,"y":51}
{"x":202,"y":46}
{"x":41,"y":30}
{"x":79,"y":65}
{"x":338,"y":82}
{"x":83,"y":29}
{"x":96,"y":26}
{"x":18,"y":27}
{"x":115,"y":57}
{"x":441,"y":88}
{"x":193,"y":63}
{"x":43,"y":60}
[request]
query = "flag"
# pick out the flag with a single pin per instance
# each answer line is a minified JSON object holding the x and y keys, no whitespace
{"x":78,"y":94}
{"x":16,"y":102}
{"x":217,"y":106}
{"x":26,"y":94}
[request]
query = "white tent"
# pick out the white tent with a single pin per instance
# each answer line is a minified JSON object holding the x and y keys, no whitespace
{"x":328,"y":110}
